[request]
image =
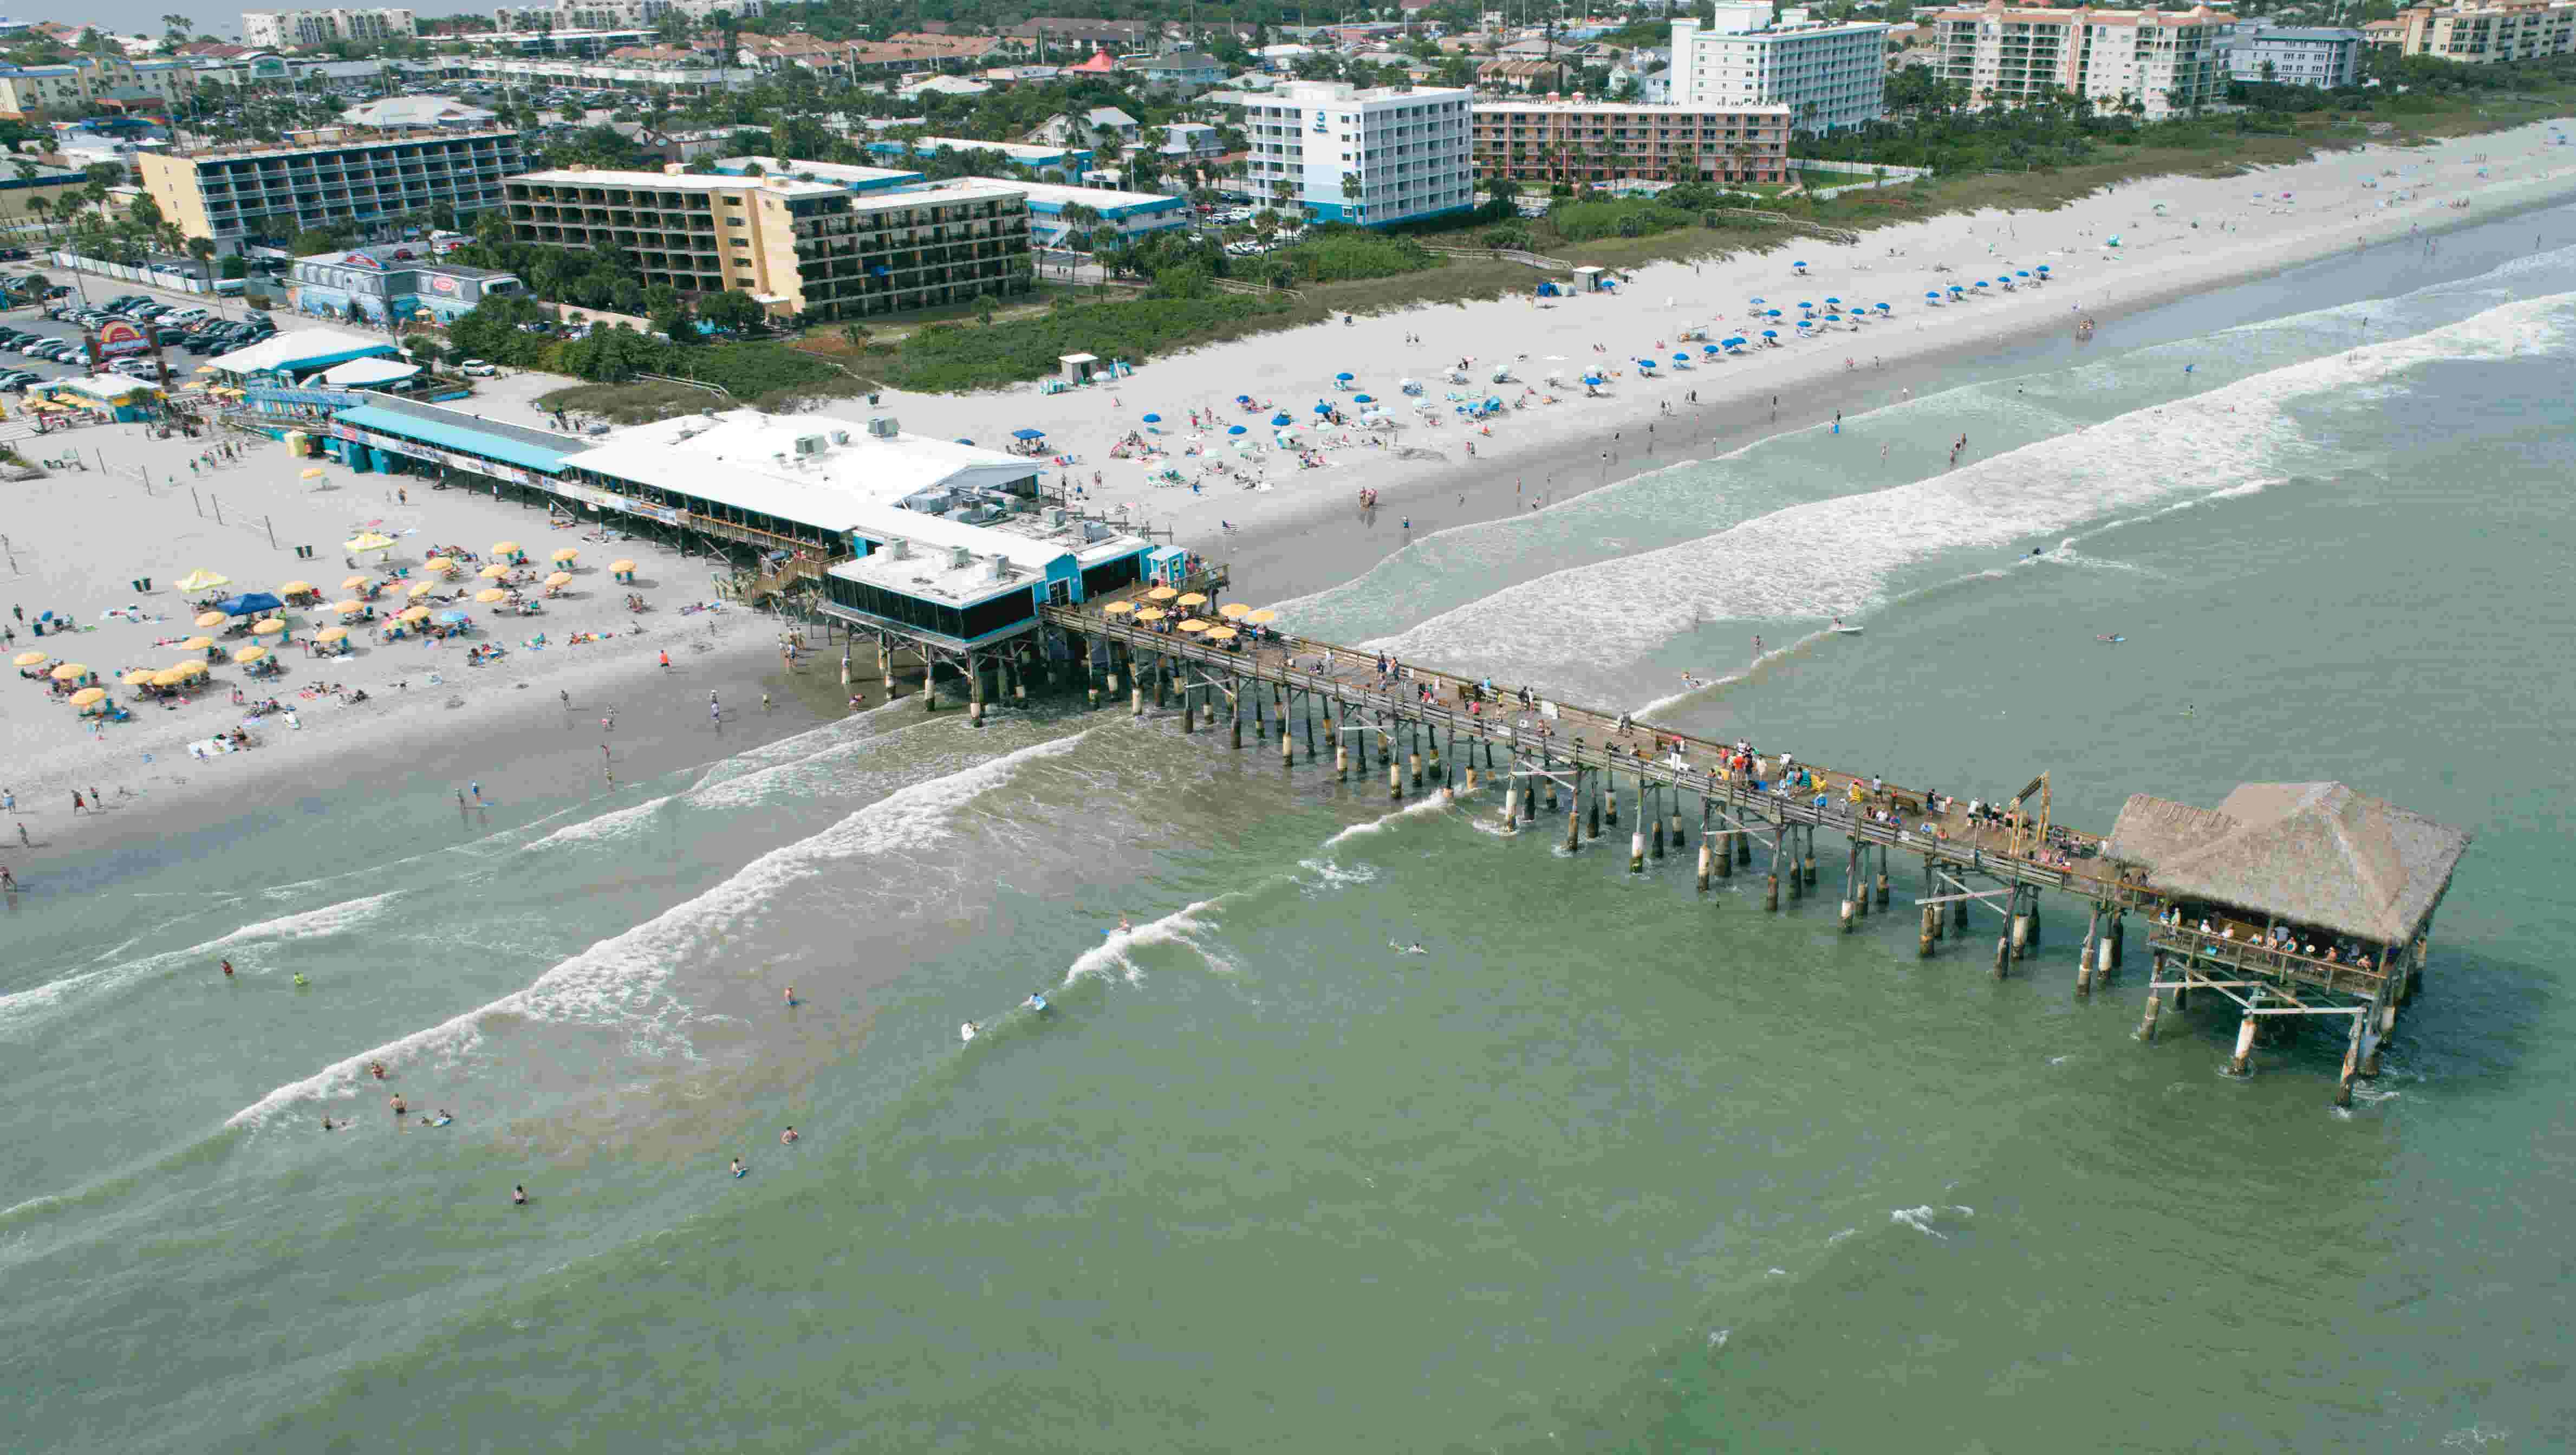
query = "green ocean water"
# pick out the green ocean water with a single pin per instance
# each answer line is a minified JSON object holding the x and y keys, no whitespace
{"x":1612,"y":1166}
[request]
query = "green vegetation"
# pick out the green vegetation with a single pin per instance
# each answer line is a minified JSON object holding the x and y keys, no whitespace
{"x":1338,"y":254}
{"x":641,"y":402}
{"x":949,"y":357}
{"x":755,"y":372}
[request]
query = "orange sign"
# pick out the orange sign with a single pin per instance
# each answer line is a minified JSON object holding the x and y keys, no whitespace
{"x":119,"y":337}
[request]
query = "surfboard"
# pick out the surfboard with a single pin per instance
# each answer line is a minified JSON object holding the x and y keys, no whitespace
{"x":1849,"y":631}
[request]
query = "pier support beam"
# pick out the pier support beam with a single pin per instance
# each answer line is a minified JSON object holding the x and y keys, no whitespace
{"x":1701,"y":878}
{"x":1927,"y":932}
{"x":2084,"y":954}
{"x":2242,"y":1063}
{"x":2147,"y":1027}
{"x":1882,"y":876}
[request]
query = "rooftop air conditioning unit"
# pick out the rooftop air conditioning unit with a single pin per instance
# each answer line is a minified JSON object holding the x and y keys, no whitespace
{"x":959,"y":558}
{"x":1095,"y":530}
{"x":882,"y":426}
{"x":1056,"y":515}
{"x":898,"y":547}
{"x":1001,"y":568}
{"x":809,"y":445}
{"x":840,"y":436}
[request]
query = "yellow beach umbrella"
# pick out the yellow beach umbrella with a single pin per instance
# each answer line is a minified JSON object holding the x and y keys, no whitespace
{"x":490,"y":594}
{"x":212,"y":618}
{"x":351,"y":607}
{"x":296,"y":588}
{"x":1193,"y":599}
{"x":70,"y":671}
{"x":505,"y":548}
{"x":367,"y":540}
{"x":1233,"y":609}
{"x":416,"y":613}
{"x":208,"y":369}
{"x":314,"y":473}
{"x":196,"y":644}
{"x":1147,"y":613}
{"x":139,"y":677}
{"x":438,"y":564}
{"x":1162,"y":593}
{"x":88,"y":696}
{"x":268,"y":628}
{"x":1264,"y":617}
{"x":420,"y":589}
{"x":1118,"y":608}
{"x":1221,"y":634}
{"x":250,"y":654}
{"x":169,"y":677}
{"x":621,"y":565}
{"x":28,"y":659}
{"x":203,"y":580}
{"x":1194,"y":625}
{"x":566,"y":554}
{"x":331,"y":634}
{"x":356,"y":583}
{"x":560,"y":578}
{"x":495,"y":572}
{"x":193,"y":667}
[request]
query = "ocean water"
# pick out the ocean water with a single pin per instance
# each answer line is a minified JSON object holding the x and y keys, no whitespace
{"x":1609,"y":1166}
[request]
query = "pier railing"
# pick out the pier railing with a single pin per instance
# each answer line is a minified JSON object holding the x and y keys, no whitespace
{"x":2262,"y":961}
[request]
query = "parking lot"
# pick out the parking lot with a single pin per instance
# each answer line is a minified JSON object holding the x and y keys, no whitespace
{"x":23,"y":351}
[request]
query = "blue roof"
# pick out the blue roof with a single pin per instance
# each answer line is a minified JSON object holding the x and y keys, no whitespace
{"x":489,"y":444}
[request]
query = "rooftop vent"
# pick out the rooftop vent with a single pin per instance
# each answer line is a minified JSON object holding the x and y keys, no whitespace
{"x":959,"y":558}
{"x":883,"y":426}
{"x":899,"y":548}
{"x":1055,"y":515}
{"x":840,"y":436}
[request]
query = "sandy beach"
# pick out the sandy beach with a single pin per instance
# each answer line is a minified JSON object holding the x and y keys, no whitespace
{"x":78,"y":537}
{"x":2173,"y":235}
{"x":77,"y":540}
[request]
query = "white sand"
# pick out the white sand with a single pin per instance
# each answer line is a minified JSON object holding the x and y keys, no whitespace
{"x":2245,"y":226}
{"x":79,"y":538}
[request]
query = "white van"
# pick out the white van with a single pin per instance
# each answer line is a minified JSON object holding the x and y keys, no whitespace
{"x":184,"y":316}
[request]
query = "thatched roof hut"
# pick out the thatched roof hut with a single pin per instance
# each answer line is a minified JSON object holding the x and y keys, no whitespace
{"x":2306,"y":853}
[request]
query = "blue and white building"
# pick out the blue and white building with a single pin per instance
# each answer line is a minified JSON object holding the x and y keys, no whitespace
{"x":1405,"y":152}
{"x":391,"y":282}
{"x":1123,"y":215}
{"x":1027,"y":156}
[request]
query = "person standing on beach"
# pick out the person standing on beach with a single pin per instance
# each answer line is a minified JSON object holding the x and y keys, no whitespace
{"x":79,"y":804}
{"x":228,"y":969}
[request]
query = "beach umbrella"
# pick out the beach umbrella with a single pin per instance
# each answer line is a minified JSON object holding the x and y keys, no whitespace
{"x":490,"y":594}
{"x":211,"y":618}
{"x":495,"y":571}
{"x":1321,"y":408}
{"x":1220,"y":634}
{"x":1243,"y":399}
{"x":1799,"y":264}
{"x":297,"y":588}
{"x":1192,"y":599}
{"x":1281,"y":418}
{"x":2043,"y":267}
{"x":314,"y":473}
{"x":505,"y":548}
{"x":1118,"y":608}
{"x":193,"y":667}
{"x":349,"y":608}
{"x":1162,"y":593}
{"x":453,"y":618}
{"x":331,"y":634}
{"x":269,"y":628}
{"x":1883,"y":308}
{"x":1833,"y":303}
{"x":1345,"y":378}
{"x":621,"y":566}
{"x":356,"y":583}
{"x":203,"y":580}
{"x":249,"y":603}
{"x":367,"y":540}
{"x":1708,"y":348}
{"x":89,"y":697}
{"x":1233,"y":609}
{"x":169,"y":677}
{"x":1234,"y":429}
{"x":1758,"y":302}
{"x":29,"y":659}
{"x":1808,"y":306}
{"x":438,"y":565}
{"x":1263,"y":617}
{"x":1362,"y":399}
{"x":414,"y":613}
{"x":1981,"y":282}
{"x":1194,"y":625}
{"x":2024,"y":273}
{"x":1147,"y":613}
{"x":1153,"y":419}
{"x":420,"y":589}
{"x":1770,"y":333}
{"x":139,"y":677}
{"x":250,"y":654}
{"x":1682,"y":358}
{"x":560,"y":578}
{"x":196,"y":644}
{"x":70,"y":672}
{"x":566,"y":554}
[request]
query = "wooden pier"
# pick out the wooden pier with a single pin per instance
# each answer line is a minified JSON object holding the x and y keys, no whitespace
{"x":1430,"y":731}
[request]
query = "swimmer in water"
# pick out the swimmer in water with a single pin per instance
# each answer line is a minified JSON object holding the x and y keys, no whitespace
{"x":968,"y":1030}
{"x":518,"y":1195}
{"x":2186,"y":709}
{"x":738,"y":1168}
{"x":300,"y":980}
{"x":787,"y":1137}
{"x":228,"y":969}
{"x":791,"y":995}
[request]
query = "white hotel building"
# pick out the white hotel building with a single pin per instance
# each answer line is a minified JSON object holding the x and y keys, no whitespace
{"x":1831,"y":77}
{"x":2164,"y":62}
{"x":1407,"y":151}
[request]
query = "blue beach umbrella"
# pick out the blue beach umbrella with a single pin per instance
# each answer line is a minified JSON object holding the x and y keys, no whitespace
{"x":1770,"y":333}
{"x":1594,"y":379}
{"x":2043,"y":267}
{"x":1771,"y":313}
{"x":2021,"y":275}
{"x":1734,"y":343}
{"x":1708,"y":348}
{"x":1243,"y":399}
{"x":1153,"y":419}
{"x":1682,"y":358}
{"x":1234,"y":429}
{"x":1281,"y":418}
{"x":1343,"y":377}
{"x":1363,"y":399}
{"x":1808,"y":306}
{"x":1645,"y":363}
{"x":1981,"y":282}
{"x":1799,"y":264}
{"x":1028,"y":434}
{"x":961,"y":439}
{"x":452,"y":618}
{"x":1833,"y":303}
{"x":1758,"y":302}
{"x":1323,"y":409}
{"x":1928,"y":293}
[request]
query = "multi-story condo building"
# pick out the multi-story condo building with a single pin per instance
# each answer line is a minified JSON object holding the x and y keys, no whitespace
{"x":1597,"y":142}
{"x":28,"y":93}
{"x":620,"y":14}
{"x":1831,"y":77}
{"x":2148,"y":62}
{"x":2516,"y":30}
{"x":280,"y":28}
{"x":1366,"y":156}
{"x":799,"y":246}
{"x":326,"y":178}
{"x":2291,"y":56}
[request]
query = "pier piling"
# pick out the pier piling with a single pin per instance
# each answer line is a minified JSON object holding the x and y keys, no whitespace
{"x":2147,"y":1027}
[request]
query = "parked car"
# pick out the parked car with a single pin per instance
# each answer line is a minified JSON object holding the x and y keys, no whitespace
{"x":185,"y":315}
{"x":480,"y":368}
